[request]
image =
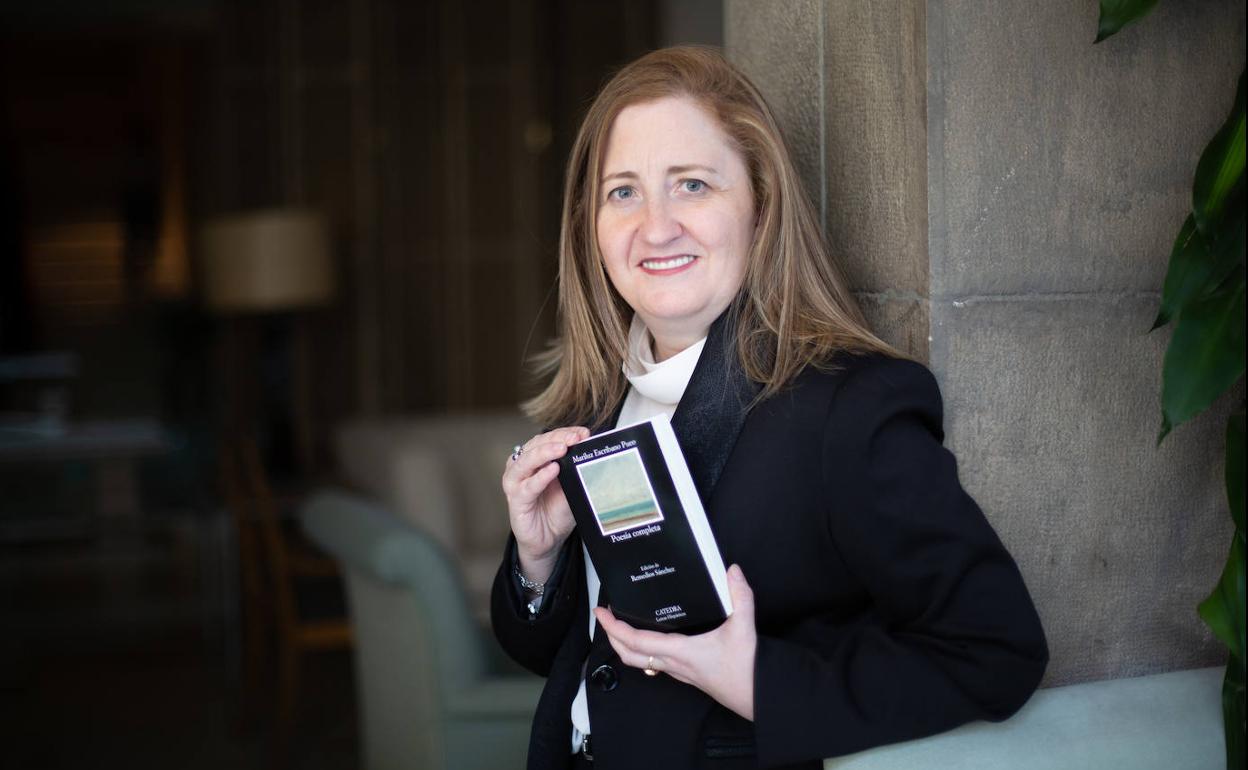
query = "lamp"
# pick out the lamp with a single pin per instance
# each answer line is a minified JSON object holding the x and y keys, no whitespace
{"x":264,"y":262}
{"x":273,"y":262}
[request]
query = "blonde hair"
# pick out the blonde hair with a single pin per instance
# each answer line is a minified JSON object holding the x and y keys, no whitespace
{"x":793,"y":309}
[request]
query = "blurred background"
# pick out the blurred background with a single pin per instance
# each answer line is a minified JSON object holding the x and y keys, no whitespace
{"x":270,"y":271}
{"x":226,"y":227}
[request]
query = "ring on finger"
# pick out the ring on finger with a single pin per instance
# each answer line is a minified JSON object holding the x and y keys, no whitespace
{"x":650,"y":669}
{"x":516,"y":451}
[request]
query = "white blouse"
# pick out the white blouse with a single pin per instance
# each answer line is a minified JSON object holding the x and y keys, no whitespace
{"x":656,"y":389}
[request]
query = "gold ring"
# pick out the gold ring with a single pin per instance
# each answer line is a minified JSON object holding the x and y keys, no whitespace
{"x":650,"y":669}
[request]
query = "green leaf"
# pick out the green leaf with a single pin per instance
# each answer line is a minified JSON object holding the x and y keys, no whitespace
{"x":1223,"y":611}
{"x":1206,"y":353}
{"x":1165,"y":429}
{"x":1228,"y":235}
{"x":1191,"y":272}
{"x":1221,"y":166}
{"x":1116,"y":14}
{"x":1235,"y":467}
{"x":1199,"y":264}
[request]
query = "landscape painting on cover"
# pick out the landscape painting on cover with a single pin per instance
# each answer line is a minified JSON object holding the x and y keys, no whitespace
{"x":619,"y":492}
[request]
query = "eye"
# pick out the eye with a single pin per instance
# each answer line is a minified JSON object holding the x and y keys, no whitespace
{"x":621,"y":194}
{"x":692,"y":186}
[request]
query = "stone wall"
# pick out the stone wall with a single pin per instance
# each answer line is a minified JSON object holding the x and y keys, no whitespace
{"x":1004,"y":195}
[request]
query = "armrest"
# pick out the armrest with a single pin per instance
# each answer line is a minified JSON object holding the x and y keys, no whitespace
{"x":377,"y":546}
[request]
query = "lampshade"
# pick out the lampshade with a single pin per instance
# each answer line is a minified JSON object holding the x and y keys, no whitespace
{"x":275,"y":259}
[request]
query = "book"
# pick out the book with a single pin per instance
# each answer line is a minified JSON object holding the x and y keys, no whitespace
{"x":643,"y":523}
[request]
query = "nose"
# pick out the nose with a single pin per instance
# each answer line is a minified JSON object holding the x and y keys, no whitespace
{"x":659,"y":226}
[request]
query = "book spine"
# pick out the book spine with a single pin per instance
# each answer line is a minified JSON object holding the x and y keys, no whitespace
{"x":694,"y":512}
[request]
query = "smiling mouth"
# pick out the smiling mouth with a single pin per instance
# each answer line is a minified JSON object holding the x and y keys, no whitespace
{"x":667,"y":263}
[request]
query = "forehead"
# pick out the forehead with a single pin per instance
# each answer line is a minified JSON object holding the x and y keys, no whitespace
{"x":670,"y":131}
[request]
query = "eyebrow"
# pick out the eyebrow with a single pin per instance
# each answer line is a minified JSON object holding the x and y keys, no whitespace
{"x":672,"y":170}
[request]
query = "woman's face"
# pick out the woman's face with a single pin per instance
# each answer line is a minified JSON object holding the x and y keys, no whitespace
{"x":675,"y":217}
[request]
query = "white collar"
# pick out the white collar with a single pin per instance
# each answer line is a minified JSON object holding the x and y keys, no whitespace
{"x":663,"y":381}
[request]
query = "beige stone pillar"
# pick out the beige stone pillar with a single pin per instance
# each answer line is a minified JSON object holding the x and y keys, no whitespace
{"x":1004,"y":195}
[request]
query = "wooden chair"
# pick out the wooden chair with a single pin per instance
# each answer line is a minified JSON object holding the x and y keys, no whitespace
{"x":272,"y":565}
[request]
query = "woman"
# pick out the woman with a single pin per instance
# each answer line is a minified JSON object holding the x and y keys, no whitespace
{"x":880,"y":605}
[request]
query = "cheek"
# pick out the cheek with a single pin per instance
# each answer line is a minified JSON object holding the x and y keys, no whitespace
{"x":725,"y":231}
{"x":613,"y":239}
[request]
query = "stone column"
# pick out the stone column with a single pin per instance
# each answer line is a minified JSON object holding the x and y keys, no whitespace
{"x":1004,"y":195}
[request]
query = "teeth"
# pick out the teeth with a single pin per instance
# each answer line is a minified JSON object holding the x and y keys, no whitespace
{"x":667,"y":264}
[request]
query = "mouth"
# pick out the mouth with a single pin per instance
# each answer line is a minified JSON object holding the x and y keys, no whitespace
{"x":667,"y":265}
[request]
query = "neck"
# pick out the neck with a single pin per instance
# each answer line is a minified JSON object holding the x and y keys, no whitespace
{"x":664,"y":346}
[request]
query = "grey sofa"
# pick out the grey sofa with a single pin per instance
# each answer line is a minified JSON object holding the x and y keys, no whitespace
{"x":435,"y":692}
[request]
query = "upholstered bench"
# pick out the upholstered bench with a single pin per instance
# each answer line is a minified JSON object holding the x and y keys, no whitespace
{"x":1163,"y":722}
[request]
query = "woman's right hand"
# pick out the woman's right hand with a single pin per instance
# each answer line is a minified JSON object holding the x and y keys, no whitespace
{"x":540,"y":517}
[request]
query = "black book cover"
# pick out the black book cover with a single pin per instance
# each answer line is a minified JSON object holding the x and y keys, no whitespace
{"x":640,"y":517}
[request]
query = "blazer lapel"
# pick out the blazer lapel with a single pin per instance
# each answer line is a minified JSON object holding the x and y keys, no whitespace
{"x":714,"y":406}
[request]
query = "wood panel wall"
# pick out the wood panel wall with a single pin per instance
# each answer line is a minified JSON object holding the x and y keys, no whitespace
{"x":433,"y":135}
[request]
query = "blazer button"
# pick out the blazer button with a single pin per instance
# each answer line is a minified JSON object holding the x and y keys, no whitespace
{"x":605,"y":678}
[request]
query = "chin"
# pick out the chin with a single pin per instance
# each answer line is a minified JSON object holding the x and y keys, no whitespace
{"x":677,"y":317}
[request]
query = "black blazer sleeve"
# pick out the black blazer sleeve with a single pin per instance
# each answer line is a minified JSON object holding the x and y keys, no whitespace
{"x":534,"y":641}
{"x":950,"y":634}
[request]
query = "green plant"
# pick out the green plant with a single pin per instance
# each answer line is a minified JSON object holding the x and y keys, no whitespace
{"x":1203,"y":296}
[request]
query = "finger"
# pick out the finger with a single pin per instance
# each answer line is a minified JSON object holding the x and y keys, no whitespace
{"x":635,"y":658}
{"x":566,"y":436}
{"x":543,"y":448}
{"x":525,"y":479}
{"x":534,"y":485}
{"x":653,"y":642}
{"x":742,"y":595}
{"x":536,"y":442}
{"x":626,"y":654}
{"x":609,"y":627}
{"x":671,"y":662}
{"x":571,"y":433}
{"x":574,"y":432}
{"x":534,"y":458}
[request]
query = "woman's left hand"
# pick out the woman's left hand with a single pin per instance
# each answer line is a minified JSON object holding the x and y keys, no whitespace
{"x":720,"y":663}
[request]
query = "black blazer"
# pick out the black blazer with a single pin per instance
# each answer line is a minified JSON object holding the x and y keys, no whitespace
{"x":886,"y":607}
